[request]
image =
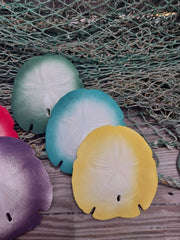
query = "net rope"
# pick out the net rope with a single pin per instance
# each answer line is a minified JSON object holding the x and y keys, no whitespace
{"x":129,"y":49}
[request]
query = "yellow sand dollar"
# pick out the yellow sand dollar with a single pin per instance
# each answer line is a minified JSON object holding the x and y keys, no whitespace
{"x":114,"y":173}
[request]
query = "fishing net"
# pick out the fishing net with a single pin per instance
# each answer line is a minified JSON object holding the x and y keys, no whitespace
{"x":129,"y":49}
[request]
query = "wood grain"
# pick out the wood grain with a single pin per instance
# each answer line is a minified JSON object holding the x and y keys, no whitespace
{"x":155,"y":223}
{"x":66,"y":221}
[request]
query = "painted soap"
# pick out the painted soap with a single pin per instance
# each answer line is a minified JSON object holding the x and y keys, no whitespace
{"x":25,"y":188}
{"x":73,"y":118}
{"x":114,"y":174}
{"x":6,"y":123}
{"x":39,"y":84}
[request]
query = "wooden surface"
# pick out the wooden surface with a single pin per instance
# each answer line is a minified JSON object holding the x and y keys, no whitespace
{"x":66,"y":221}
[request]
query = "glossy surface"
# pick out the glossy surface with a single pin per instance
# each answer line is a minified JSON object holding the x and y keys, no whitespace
{"x":25,"y":188}
{"x":73,"y":118}
{"x":39,"y":84}
{"x":6,"y":124}
{"x":114,"y":173}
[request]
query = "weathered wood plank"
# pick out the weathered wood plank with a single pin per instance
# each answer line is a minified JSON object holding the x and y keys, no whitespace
{"x":167,"y":162}
{"x":158,"y":222}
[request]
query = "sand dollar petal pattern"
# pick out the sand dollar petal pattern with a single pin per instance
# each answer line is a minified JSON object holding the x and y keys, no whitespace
{"x":73,"y":118}
{"x":114,"y":173}
{"x":39,"y":84}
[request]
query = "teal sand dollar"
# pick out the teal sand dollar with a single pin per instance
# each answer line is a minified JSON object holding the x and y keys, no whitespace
{"x":73,"y":118}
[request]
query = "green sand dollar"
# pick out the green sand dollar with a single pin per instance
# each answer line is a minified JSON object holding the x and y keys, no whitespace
{"x":39,"y":84}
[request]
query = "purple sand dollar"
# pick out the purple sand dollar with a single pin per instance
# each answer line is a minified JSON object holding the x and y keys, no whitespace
{"x":25,"y":188}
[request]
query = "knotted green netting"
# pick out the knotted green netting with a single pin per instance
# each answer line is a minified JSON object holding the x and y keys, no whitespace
{"x":129,"y":49}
